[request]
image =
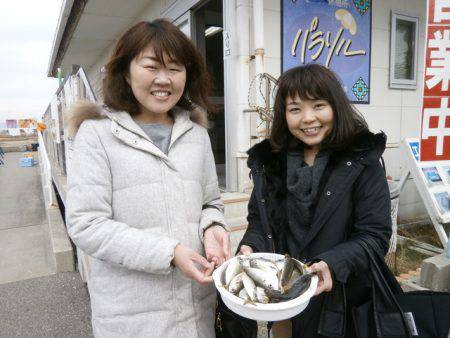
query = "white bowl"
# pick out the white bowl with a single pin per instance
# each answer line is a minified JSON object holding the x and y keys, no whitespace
{"x":263,"y":312}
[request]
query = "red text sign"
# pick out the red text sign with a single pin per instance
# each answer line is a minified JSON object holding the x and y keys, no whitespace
{"x":435,"y":136}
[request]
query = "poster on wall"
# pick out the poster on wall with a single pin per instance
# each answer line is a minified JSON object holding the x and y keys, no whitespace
{"x":435,"y":135}
{"x":334,"y":33}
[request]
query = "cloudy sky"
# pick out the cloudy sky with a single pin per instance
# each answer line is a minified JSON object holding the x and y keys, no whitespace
{"x":27,"y":28}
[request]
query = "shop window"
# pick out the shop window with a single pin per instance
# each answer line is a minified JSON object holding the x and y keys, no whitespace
{"x":403,"y":61}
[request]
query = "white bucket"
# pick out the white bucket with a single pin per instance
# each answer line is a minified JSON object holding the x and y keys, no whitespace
{"x":258,"y":311}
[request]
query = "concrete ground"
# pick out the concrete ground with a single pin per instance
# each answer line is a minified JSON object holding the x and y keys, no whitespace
{"x":34,"y":301}
{"x":24,"y":242}
{"x":52,"y":306}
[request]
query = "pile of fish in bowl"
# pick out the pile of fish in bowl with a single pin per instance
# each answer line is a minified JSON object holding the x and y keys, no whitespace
{"x":265,"y":286}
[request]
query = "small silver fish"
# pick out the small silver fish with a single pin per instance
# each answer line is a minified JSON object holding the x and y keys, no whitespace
{"x":299,"y":286}
{"x":300,"y":266}
{"x":249,"y":286}
{"x":295,"y":275}
{"x":286,"y":273}
{"x":243,"y":261}
{"x":261,"y":295}
{"x":264,"y":264}
{"x":233,"y":269}
{"x":243,"y":295}
{"x":279,"y":263}
{"x":263,"y":279}
{"x":236,"y":284}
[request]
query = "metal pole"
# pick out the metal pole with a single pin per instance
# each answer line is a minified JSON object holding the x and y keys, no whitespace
{"x":258,"y":38}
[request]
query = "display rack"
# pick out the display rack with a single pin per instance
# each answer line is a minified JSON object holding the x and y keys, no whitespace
{"x":432,"y":179}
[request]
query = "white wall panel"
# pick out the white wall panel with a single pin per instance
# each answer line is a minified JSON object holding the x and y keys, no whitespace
{"x":413,"y":98}
{"x":393,"y":163}
{"x":380,"y":48}
{"x":384,"y":118}
{"x":272,"y":66}
{"x":381,"y":12}
{"x":410,"y":204}
{"x":410,"y":126}
{"x":272,"y":33}
{"x":272,"y":5}
{"x":380,"y":94}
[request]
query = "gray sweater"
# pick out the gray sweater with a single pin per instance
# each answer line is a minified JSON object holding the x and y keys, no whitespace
{"x":159,"y":134}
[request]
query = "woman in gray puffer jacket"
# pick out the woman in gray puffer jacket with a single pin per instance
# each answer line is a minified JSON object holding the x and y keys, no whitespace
{"x":143,"y":199}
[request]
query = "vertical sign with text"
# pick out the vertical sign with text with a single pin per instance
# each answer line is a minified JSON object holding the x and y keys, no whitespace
{"x":334,"y":33}
{"x":435,"y":135}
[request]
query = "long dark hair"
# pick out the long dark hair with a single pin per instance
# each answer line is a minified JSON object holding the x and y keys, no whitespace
{"x":167,"y":39}
{"x":313,"y":82}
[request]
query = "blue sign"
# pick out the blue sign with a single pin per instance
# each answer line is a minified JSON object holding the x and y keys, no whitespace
{"x":415,"y":149}
{"x":334,"y":33}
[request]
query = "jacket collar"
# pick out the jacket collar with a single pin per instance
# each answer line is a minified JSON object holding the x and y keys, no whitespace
{"x":366,"y":147}
{"x":125,"y":128}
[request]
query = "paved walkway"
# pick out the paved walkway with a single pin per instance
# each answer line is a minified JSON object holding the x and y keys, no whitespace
{"x":35,"y":302}
{"x":52,"y":306}
{"x":24,"y":242}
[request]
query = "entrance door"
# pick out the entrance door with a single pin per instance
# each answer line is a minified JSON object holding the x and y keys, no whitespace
{"x":208,"y":37}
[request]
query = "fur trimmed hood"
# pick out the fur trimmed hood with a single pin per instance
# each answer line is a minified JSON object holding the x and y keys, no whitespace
{"x":88,"y":110}
{"x":367,"y":146}
{"x":81,"y":111}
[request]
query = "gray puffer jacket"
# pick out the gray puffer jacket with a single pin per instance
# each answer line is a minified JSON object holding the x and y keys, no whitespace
{"x":128,"y":206}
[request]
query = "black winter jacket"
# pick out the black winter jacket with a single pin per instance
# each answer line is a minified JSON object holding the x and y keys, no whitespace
{"x":352,"y":205}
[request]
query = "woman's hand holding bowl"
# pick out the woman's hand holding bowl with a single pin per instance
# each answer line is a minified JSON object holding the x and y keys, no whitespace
{"x":245,"y":250}
{"x":325,"y":280}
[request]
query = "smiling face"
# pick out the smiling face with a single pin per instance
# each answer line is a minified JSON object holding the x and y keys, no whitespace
{"x":310,"y":121}
{"x":157,"y":87}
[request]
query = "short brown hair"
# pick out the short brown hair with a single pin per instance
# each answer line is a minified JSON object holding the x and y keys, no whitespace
{"x":165,"y":39}
{"x":315,"y":82}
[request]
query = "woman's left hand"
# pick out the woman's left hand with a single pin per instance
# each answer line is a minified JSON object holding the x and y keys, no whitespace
{"x":325,"y":280}
{"x":217,"y":244}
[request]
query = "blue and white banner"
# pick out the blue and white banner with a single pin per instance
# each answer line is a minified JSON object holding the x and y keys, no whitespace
{"x":335,"y":33}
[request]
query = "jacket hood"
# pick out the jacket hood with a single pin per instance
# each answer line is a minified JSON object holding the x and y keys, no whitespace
{"x":367,"y":146}
{"x":81,"y":111}
{"x":87,"y":110}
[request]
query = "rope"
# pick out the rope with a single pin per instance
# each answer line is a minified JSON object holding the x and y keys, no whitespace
{"x":265,"y":113}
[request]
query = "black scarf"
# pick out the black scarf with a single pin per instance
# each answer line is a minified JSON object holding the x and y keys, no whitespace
{"x":302,"y":187}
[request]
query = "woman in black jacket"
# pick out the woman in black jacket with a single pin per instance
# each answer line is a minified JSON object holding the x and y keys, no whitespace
{"x":319,"y":191}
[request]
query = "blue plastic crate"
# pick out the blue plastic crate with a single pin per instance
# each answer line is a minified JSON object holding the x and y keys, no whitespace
{"x":26,"y":162}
